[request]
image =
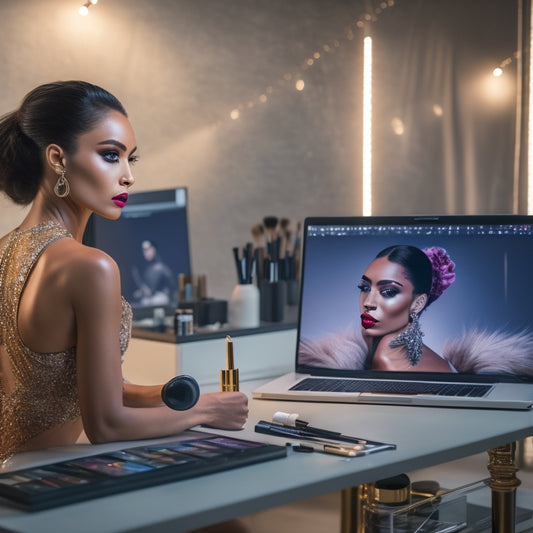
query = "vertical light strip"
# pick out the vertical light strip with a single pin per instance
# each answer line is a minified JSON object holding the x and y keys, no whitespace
{"x":367,"y":127}
{"x":530,"y":123}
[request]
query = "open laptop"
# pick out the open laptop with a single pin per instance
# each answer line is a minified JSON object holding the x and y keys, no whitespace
{"x":477,"y":336}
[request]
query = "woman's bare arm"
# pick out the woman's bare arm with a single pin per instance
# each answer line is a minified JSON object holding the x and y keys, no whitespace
{"x":107,"y":414}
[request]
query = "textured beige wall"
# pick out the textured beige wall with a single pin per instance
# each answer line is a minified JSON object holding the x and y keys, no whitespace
{"x":180,"y":67}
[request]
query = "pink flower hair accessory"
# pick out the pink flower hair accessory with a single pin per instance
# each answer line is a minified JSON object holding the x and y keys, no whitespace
{"x":443,"y":271}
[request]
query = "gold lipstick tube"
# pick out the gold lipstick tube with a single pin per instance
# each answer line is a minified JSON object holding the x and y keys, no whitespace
{"x":229,"y":378}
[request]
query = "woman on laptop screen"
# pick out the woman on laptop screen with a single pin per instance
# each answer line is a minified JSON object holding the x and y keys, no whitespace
{"x":396,"y":287}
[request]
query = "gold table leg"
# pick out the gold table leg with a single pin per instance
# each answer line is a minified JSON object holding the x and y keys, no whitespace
{"x":352,"y":500}
{"x":503,"y":483}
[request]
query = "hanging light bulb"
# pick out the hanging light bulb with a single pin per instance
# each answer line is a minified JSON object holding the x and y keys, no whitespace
{"x":84,"y":9}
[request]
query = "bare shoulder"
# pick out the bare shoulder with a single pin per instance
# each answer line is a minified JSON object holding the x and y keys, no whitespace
{"x":82,"y":268}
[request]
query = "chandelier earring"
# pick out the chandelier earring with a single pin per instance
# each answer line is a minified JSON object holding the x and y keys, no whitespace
{"x":411,"y":339}
{"x":62,"y":187}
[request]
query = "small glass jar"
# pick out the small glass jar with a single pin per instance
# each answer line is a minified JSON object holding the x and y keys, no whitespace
{"x":385,"y":499}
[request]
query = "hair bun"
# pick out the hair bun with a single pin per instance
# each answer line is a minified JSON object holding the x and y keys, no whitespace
{"x":443,"y":271}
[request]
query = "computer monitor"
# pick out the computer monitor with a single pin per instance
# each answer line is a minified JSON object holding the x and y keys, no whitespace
{"x":150,"y":243}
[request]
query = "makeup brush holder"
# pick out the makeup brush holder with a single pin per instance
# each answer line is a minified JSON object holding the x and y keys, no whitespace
{"x":244,"y":306}
{"x":293,"y":292}
{"x":273,"y":300}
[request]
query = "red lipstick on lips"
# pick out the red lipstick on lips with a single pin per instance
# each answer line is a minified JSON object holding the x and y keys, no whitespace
{"x":368,"y":321}
{"x":120,"y":199}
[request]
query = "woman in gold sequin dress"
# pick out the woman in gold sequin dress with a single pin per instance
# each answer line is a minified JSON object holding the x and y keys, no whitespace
{"x":68,"y":151}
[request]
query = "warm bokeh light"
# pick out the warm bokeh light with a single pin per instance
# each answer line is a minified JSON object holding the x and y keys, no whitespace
{"x":397,"y":126}
{"x":300,"y":84}
{"x":497,"y":72}
{"x":496,"y":91}
{"x":437,"y":110}
{"x":84,"y":9}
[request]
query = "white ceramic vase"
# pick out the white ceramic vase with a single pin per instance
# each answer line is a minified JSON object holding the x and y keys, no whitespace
{"x":244,"y":306}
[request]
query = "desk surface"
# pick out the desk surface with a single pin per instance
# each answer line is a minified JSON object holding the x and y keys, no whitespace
{"x":424,"y":437}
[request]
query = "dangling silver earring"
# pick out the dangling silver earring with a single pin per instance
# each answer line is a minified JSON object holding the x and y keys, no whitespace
{"x":62,"y":187}
{"x":411,"y":338}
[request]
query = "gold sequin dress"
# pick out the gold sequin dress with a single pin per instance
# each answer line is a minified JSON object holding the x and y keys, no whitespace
{"x":44,"y":391}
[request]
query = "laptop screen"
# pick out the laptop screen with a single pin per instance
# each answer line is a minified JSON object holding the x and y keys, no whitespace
{"x":439,"y":296}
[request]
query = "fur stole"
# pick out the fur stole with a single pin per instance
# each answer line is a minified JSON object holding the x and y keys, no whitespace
{"x":479,"y":352}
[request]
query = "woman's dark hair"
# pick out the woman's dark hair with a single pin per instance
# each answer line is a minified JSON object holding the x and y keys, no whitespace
{"x":54,"y":113}
{"x":418,"y":268}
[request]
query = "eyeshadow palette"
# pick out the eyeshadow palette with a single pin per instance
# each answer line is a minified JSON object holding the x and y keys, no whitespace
{"x":191,"y":455}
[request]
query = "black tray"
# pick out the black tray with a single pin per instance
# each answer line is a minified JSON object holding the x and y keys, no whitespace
{"x":133,"y":468}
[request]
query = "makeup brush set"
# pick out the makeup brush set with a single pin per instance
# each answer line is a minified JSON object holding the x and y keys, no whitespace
{"x":274,"y":260}
{"x":278,"y":249}
{"x":277,"y":256}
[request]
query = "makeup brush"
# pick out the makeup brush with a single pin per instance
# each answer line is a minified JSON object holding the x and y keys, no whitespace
{"x":258,"y":234}
{"x":273,"y":245}
{"x":284,"y":224}
{"x":271,"y":227}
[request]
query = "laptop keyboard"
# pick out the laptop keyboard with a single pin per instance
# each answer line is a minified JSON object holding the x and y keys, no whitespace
{"x":391,"y":387}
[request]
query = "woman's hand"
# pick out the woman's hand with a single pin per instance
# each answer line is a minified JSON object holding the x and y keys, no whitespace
{"x":224,"y":410}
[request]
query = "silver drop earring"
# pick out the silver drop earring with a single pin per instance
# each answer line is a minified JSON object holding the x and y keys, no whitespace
{"x":411,"y":338}
{"x":62,"y":187}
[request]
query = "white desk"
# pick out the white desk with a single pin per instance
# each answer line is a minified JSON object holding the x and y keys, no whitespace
{"x":424,"y":436}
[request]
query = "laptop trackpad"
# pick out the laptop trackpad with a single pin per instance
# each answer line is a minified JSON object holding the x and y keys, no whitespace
{"x":388,"y":398}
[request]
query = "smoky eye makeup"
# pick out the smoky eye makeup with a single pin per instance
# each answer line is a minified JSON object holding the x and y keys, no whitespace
{"x":389,"y":292}
{"x":111,"y":156}
{"x":363,"y":287}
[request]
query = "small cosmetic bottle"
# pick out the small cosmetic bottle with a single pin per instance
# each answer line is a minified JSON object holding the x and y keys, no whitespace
{"x":184,"y":322}
{"x":385,"y":499}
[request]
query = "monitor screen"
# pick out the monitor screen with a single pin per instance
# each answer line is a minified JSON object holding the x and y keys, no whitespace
{"x":150,"y":243}
{"x":364,"y":285}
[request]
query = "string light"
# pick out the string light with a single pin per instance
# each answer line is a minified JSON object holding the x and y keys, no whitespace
{"x":295,"y":80}
{"x":288,"y":81}
{"x":84,"y":9}
{"x":499,"y":70}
